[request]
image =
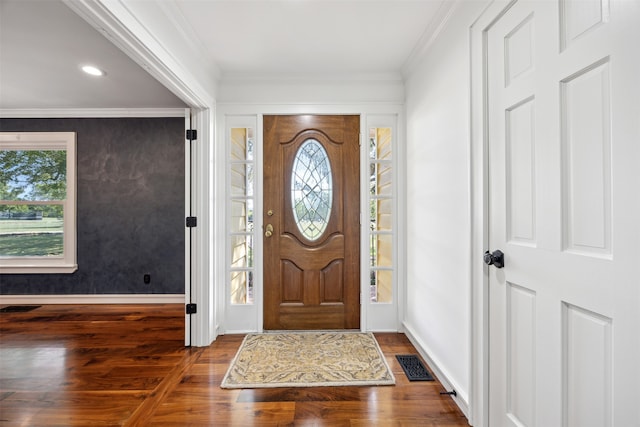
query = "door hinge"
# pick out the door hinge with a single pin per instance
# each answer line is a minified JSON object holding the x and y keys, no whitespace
{"x":192,"y":308}
{"x":192,"y":221}
{"x":192,"y":134}
{"x":360,"y":140}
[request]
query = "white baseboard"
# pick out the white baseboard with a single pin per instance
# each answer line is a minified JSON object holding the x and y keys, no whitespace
{"x":93,"y":299}
{"x":461,"y":399}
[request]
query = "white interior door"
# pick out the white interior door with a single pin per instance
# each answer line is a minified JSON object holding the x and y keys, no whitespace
{"x":564,"y":168}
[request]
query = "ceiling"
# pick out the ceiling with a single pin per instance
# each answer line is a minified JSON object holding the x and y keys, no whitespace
{"x":43,"y":43}
{"x":309,"y":36}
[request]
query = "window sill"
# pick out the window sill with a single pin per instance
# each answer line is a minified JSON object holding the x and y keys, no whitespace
{"x":39,"y":269}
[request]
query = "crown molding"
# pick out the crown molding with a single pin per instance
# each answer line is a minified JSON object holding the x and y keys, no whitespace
{"x":93,"y":112}
{"x":298,"y":78}
{"x":174,"y":14}
{"x":430,"y":35}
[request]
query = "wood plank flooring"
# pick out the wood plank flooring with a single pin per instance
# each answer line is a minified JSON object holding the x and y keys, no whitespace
{"x":126,"y":365}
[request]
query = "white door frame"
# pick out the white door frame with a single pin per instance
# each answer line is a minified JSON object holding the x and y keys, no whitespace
{"x":188,"y":156}
{"x":118,"y":23}
{"x":370,"y":115}
{"x":479,"y":193}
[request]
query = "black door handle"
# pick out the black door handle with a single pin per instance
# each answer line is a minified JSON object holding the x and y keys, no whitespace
{"x":496,"y":258}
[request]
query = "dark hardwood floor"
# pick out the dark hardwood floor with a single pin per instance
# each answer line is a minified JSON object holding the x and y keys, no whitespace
{"x":126,"y":365}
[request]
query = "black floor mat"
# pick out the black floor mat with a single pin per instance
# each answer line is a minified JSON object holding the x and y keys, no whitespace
{"x":413,"y":368}
{"x":18,"y":308}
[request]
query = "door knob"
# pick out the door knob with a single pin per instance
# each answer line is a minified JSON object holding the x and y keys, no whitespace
{"x":268,"y":230}
{"x":496,"y":258}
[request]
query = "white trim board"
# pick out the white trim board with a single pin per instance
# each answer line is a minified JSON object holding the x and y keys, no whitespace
{"x":93,"y":299}
{"x":91,"y":112}
{"x":447,"y":383}
{"x":479,"y":205}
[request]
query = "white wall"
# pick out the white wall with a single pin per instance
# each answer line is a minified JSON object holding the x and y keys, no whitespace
{"x":321,"y":90}
{"x":437,"y":315}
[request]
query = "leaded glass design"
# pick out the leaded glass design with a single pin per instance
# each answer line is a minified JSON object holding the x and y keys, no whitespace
{"x":311,"y":189}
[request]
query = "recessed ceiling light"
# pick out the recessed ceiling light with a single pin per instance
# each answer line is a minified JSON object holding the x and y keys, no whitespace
{"x":94,"y":71}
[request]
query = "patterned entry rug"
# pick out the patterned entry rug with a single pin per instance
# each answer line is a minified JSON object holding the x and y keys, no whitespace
{"x":308,"y":359}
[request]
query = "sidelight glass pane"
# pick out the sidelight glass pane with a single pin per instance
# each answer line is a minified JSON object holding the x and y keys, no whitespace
{"x":241,"y":179}
{"x":380,"y":143}
{"x":381,"y":250}
{"x":238,"y":217}
{"x":242,"y":144}
{"x":241,"y":217}
{"x":381,"y":286}
{"x":381,"y":214}
{"x":241,"y":287}
{"x":311,"y":189}
{"x":380,"y":179}
{"x":241,"y":251}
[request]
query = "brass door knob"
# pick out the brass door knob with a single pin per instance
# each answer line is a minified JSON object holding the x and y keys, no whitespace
{"x":268,"y":230}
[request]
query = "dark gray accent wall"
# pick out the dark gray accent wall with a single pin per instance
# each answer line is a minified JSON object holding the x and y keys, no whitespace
{"x":130,"y":207}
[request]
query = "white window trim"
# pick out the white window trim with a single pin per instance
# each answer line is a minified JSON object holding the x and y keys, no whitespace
{"x":243,"y":317}
{"x":47,"y":141}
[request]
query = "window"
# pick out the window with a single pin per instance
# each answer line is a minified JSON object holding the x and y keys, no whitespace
{"x":241,"y":193}
{"x":38,"y":202}
{"x":381,"y":215}
{"x":311,"y":189}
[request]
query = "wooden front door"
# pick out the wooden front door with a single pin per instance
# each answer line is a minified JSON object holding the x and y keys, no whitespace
{"x":311,"y":222}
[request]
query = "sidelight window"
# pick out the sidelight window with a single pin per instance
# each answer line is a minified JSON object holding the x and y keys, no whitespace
{"x":241,"y":190}
{"x":381,"y":214}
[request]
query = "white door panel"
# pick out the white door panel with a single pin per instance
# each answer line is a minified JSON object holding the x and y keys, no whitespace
{"x":564,"y":168}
